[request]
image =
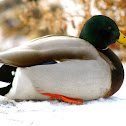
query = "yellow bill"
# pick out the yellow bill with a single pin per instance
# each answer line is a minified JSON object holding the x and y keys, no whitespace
{"x":122,"y":39}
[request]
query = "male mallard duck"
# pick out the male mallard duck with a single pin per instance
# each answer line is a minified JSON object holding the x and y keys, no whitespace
{"x":63,"y":67}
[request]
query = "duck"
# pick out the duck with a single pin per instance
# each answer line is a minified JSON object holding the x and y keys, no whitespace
{"x":67,"y":68}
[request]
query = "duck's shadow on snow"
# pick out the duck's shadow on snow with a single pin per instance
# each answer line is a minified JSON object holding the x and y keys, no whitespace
{"x":112,"y":99}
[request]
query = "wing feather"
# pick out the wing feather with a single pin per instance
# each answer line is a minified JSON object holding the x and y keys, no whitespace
{"x":46,"y":49}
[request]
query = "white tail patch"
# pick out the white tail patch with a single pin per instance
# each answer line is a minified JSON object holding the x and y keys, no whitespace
{"x":3,"y":84}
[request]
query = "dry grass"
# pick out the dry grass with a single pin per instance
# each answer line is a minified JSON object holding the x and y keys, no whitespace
{"x":33,"y":19}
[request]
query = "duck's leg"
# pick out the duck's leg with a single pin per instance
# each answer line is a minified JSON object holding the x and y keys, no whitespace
{"x":63,"y":98}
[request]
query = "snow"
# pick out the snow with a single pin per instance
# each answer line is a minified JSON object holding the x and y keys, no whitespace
{"x":110,"y":111}
{"x":11,"y":42}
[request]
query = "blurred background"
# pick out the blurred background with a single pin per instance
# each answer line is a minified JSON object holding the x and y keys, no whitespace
{"x":23,"y":20}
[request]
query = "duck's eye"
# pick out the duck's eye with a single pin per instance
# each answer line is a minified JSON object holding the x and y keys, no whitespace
{"x":110,"y":27}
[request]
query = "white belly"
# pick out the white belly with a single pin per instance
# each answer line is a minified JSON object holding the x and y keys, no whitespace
{"x":84,"y":79}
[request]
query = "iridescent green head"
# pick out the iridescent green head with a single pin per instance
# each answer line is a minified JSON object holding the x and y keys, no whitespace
{"x":101,"y":31}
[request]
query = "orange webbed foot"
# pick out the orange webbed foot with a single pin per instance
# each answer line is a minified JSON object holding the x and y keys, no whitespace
{"x":63,"y":98}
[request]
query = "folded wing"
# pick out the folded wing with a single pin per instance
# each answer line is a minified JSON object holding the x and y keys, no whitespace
{"x":46,"y":49}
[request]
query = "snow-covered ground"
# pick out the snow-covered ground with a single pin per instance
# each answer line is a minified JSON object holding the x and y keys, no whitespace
{"x":102,"y":112}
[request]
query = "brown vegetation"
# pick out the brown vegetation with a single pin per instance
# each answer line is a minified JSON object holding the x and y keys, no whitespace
{"x":35,"y":18}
